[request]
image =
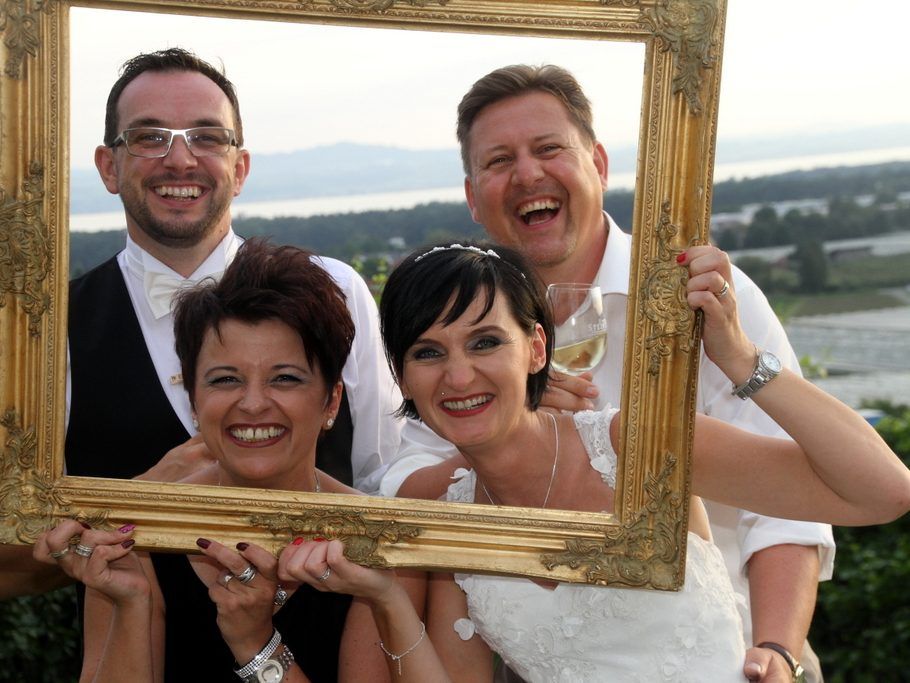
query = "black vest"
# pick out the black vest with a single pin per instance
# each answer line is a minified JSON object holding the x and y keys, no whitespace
{"x":121,"y":422}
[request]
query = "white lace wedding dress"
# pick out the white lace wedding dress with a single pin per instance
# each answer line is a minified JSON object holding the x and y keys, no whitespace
{"x":581,"y":633}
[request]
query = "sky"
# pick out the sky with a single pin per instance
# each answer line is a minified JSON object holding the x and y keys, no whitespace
{"x":788,"y":67}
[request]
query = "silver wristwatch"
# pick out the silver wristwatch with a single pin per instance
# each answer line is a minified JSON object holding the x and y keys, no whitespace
{"x":767,"y":367}
{"x":263,"y":663}
{"x":273,"y":670}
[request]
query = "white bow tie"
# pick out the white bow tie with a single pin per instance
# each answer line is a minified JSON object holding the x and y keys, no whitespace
{"x":160,"y":289}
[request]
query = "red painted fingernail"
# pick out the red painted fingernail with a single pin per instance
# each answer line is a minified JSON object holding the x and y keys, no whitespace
{"x":242,"y":546}
{"x":128,"y":543}
{"x":297,"y":541}
{"x":318,"y":538}
{"x":681,"y":257}
{"x":126,"y":528}
{"x":84,"y":525}
{"x":203,"y":543}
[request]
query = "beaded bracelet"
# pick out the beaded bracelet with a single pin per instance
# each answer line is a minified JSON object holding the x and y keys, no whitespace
{"x":398,"y":658}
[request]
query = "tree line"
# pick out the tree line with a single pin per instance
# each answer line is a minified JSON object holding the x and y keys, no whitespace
{"x":357,"y":235}
{"x":843,"y":219}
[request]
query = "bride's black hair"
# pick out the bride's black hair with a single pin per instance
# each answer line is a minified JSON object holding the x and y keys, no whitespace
{"x":420,"y":289}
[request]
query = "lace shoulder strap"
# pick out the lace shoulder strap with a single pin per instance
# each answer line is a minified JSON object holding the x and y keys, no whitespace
{"x":594,"y":429}
{"x":461,"y":490}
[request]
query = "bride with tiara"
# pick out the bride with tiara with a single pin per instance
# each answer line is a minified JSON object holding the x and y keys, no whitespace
{"x":468,"y":333}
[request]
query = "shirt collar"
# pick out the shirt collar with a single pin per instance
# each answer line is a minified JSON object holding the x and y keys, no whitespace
{"x":160,"y":283}
{"x":139,"y":261}
{"x":613,"y":274}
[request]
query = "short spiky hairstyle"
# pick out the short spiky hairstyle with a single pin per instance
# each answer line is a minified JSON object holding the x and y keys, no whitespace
{"x":268,"y":282}
{"x":440,"y":285}
{"x":172,"y":59}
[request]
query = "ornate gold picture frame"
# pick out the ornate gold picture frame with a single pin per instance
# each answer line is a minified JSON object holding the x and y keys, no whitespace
{"x":642,"y":544}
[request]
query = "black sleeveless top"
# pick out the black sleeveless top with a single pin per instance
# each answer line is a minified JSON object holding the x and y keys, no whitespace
{"x":121,"y":422}
{"x":311,"y":624}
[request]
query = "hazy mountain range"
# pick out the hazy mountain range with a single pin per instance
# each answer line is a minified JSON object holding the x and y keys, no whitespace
{"x":348,"y":168}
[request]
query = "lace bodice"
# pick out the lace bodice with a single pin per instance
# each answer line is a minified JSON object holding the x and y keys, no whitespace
{"x":579,"y":633}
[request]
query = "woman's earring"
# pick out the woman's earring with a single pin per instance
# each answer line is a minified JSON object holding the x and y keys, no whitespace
{"x":195,"y":423}
{"x":330,"y":423}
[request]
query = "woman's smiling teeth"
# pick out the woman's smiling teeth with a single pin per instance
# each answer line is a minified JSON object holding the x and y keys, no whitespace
{"x":253,"y":434}
{"x":468,"y":403}
{"x":182,"y":192}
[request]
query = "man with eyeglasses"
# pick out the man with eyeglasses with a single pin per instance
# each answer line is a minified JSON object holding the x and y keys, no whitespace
{"x":173,"y":151}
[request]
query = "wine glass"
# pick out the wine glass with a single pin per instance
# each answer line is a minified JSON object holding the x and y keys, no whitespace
{"x":581,"y":326}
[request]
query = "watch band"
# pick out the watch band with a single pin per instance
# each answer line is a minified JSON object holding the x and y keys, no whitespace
{"x":767,"y":367}
{"x":256,"y":663}
{"x":795,"y":668}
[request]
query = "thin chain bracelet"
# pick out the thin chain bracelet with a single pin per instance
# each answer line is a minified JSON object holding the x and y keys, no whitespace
{"x":398,"y":658}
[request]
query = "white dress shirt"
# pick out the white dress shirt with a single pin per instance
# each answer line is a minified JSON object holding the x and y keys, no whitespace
{"x":372,"y":394}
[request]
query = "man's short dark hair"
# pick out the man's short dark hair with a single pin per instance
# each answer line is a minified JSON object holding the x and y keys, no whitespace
{"x":520,"y":79}
{"x":430,"y":285}
{"x":267,"y":282}
{"x":172,"y":59}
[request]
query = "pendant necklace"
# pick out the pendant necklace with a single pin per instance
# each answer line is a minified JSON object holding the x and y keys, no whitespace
{"x":552,"y":474}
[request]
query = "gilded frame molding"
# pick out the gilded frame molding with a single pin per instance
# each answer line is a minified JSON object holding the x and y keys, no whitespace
{"x":641,"y":545}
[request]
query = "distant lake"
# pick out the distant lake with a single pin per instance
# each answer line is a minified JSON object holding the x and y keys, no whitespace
{"x":95,"y":222}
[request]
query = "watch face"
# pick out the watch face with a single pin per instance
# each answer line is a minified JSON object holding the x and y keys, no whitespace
{"x":271,"y":672}
{"x":771,"y":362}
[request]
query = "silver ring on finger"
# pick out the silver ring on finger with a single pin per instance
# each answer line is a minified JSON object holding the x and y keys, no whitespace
{"x":281,"y":596}
{"x":227,"y":579}
{"x":247,"y":574}
{"x":57,"y":554}
{"x":723,"y":290}
{"x":83,"y":550}
{"x":325,"y":575}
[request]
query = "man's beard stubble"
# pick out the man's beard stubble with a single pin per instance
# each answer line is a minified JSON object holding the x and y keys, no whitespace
{"x":176,"y":233}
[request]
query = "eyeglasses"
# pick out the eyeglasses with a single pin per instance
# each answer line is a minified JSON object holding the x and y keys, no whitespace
{"x":153,"y":143}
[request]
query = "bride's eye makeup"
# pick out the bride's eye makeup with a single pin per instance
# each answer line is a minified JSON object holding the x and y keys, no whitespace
{"x":487,"y":342}
{"x":423,"y":352}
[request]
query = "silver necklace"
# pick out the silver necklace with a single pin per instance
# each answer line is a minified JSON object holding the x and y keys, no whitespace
{"x":552,"y":474}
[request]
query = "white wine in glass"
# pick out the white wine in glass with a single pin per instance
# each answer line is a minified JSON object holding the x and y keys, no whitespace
{"x":581,"y":326}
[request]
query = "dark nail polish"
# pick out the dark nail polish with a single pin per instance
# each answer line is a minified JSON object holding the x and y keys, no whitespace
{"x":203,"y":543}
{"x":297,"y":541}
{"x":84,"y":525}
{"x":126,"y":528}
{"x":128,"y":543}
{"x":242,"y":546}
